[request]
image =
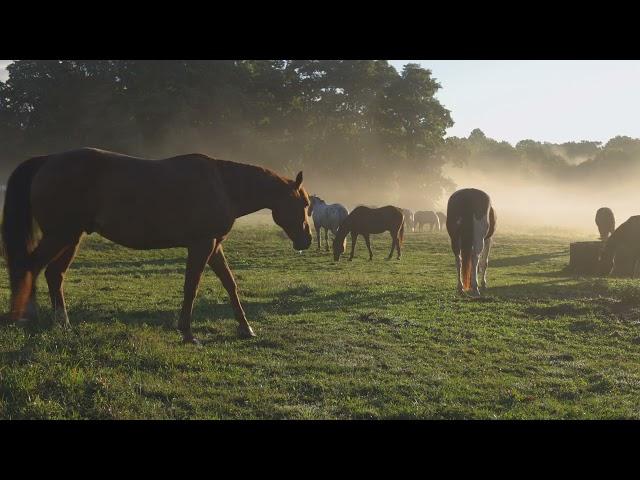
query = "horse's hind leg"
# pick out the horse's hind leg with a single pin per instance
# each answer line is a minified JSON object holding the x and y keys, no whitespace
{"x":197,"y":258}
{"x":326,"y":238}
{"x":218,"y":263}
{"x":394,"y":242}
{"x":368,"y":242}
{"x":49,"y":248}
{"x":54,"y":274}
{"x":484,"y":262}
{"x":456,"y":252}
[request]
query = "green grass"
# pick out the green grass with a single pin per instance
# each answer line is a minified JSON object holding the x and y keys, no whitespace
{"x":359,"y":340}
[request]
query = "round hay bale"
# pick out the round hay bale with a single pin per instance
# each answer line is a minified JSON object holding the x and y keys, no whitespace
{"x":583,"y":257}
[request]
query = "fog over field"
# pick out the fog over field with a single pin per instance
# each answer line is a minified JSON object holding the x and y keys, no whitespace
{"x":374,"y":132}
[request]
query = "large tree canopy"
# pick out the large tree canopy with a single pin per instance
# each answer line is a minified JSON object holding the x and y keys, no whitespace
{"x":352,"y":123}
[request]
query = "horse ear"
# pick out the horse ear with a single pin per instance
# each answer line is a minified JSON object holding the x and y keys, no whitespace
{"x":299,"y":180}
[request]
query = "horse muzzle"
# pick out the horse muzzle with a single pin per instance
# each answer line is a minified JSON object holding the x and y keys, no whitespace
{"x":302,"y":244}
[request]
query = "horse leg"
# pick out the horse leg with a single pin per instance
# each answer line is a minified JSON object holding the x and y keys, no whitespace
{"x":197,"y":257}
{"x":367,"y":241}
{"x":394,"y":240}
{"x":23,"y":295}
{"x":54,"y":274}
{"x":218,"y":263}
{"x":398,"y":246}
{"x":457,"y":254}
{"x":318,"y":235}
{"x":474,"y":274}
{"x":326,"y":238}
{"x":354,"y":237}
{"x":484,"y":262}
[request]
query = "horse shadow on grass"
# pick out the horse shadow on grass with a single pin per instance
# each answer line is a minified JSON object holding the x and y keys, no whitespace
{"x":525,"y":259}
{"x":289,"y":302}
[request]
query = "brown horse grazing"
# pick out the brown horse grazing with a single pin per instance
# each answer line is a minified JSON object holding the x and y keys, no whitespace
{"x":626,"y":239}
{"x":471,"y":222}
{"x":426,"y":218}
{"x":365,"y":221}
{"x":188,"y":201}
{"x":606,"y":222}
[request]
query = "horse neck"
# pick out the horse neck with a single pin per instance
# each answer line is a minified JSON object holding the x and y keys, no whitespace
{"x":250,"y":188}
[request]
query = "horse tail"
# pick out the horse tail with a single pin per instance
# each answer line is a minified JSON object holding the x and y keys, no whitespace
{"x":466,"y":246}
{"x":18,"y":229}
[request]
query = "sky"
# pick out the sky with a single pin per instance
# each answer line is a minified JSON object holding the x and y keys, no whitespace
{"x":545,"y":100}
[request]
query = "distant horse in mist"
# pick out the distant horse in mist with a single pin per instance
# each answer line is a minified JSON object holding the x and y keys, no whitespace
{"x":624,"y":240}
{"x":426,"y":218}
{"x":443,"y":219}
{"x":408,"y":218}
{"x":326,"y":216}
{"x":471,"y":222}
{"x":606,"y":222}
{"x":365,"y":221}
{"x":187,"y":201}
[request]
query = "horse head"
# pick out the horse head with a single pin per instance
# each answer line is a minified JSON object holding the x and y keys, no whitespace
{"x":290,"y":213}
{"x":339,"y":246}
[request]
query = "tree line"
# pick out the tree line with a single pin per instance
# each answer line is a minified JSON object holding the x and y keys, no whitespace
{"x":351,"y":122}
{"x":350,"y":125}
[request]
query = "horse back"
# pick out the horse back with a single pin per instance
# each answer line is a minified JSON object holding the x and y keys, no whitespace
{"x":376,"y":220}
{"x":131,"y":200}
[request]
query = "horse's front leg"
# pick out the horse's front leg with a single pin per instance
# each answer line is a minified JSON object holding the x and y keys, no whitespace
{"x":368,"y":242}
{"x":318,"y":235}
{"x":354,"y":237}
{"x":218,"y":263}
{"x":197,"y":257}
{"x":326,"y":238}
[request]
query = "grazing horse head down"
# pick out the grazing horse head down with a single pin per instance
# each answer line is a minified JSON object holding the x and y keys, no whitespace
{"x":625,"y":238}
{"x":471,"y":223}
{"x":290,"y":213}
{"x":606,"y":222}
{"x":365,"y":221}
{"x":427,"y":218}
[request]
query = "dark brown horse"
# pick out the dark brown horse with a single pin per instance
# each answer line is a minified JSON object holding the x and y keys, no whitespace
{"x":365,"y":221}
{"x":188,"y":201}
{"x":471,"y":222}
{"x":624,"y":240}
{"x":606,"y":222}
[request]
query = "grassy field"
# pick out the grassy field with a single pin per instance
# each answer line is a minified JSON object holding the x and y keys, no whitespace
{"x":359,"y":340}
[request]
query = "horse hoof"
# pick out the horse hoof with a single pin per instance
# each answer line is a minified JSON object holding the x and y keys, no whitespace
{"x":192,"y":341}
{"x":24,"y":322}
{"x":246,"y":332}
{"x":474,"y":293}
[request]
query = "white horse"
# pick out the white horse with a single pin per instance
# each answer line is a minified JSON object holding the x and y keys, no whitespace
{"x":408,"y":218}
{"x":326,"y":216}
